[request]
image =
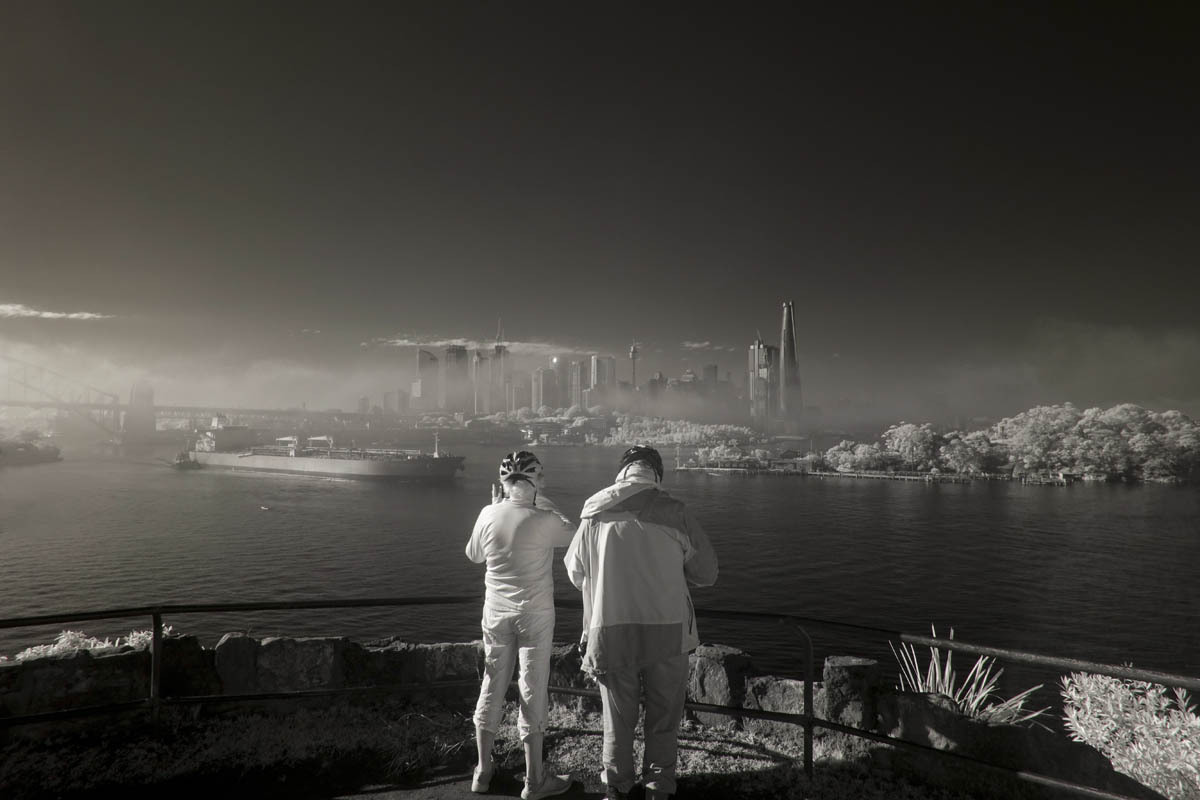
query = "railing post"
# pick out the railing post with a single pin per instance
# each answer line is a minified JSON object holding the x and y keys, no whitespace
{"x":808,"y":702}
{"x":156,"y":658}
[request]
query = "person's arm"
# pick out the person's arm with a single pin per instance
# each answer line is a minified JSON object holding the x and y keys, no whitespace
{"x":576,"y":559}
{"x":475,"y":549}
{"x":700,"y":569}
{"x":561,"y":530}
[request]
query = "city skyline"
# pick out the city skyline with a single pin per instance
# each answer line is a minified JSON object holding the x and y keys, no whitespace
{"x":974,"y":212}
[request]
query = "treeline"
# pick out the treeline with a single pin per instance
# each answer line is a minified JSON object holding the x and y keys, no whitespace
{"x":632,"y":429}
{"x":1125,"y":442}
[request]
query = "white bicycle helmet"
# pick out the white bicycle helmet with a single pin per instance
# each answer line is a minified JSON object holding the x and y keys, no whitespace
{"x":521,"y":465}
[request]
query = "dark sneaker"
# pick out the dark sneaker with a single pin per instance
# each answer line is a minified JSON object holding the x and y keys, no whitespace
{"x":613,"y":794}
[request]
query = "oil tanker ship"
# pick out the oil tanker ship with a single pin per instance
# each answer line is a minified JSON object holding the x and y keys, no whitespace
{"x":231,"y":448}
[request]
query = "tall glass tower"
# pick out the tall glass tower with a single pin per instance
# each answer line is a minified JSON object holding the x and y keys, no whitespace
{"x":790,"y":400}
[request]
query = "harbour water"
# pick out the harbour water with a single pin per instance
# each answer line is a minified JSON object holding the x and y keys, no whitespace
{"x":1103,"y":572}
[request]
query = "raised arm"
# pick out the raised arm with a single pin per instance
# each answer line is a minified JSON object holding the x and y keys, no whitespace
{"x":560,"y":529}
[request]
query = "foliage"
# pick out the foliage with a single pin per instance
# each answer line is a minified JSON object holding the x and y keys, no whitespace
{"x":916,"y":445}
{"x":69,"y":642}
{"x":631,"y":429}
{"x":972,"y":696}
{"x":971,"y":453}
{"x":1148,"y":734}
{"x":1125,"y":441}
{"x":848,"y":456}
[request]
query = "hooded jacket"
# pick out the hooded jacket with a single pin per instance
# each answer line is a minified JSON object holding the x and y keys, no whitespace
{"x":636,"y":552}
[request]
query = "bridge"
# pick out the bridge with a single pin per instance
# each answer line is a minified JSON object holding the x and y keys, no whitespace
{"x":27,"y":385}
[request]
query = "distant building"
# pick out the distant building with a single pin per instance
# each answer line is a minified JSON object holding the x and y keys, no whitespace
{"x":603,"y":371}
{"x":520,"y":393}
{"x":456,"y":379}
{"x":763,"y":383}
{"x":500,"y":378}
{"x":710,"y":375}
{"x":578,"y":381}
{"x":426,"y":389}
{"x":364,"y":405}
{"x":562,"y":372}
{"x":790,"y":400}
{"x":545,"y":388}
{"x":389,"y":403}
{"x":481,"y":375}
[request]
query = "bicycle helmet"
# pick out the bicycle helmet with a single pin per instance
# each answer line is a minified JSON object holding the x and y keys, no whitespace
{"x":521,"y":465}
{"x":649,"y":455}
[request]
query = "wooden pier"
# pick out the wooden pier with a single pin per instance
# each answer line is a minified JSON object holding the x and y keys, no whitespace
{"x":924,"y":477}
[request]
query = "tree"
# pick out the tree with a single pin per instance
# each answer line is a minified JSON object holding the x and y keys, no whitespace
{"x":916,"y":445}
{"x":1035,"y":437}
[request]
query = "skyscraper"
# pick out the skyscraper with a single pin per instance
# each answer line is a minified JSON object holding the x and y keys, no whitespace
{"x":562,"y":372}
{"x":545,"y":388}
{"x":456,"y":379}
{"x":790,"y":400}
{"x":604,"y":372}
{"x":426,"y":388}
{"x":500,"y":378}
{"x":763,"y":380}
{"x":578,"y":381}
{"x":481,"y":375}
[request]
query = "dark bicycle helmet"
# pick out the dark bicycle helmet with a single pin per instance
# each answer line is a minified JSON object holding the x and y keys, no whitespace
{"x":649,"y":455}
{"x":521,"y":465}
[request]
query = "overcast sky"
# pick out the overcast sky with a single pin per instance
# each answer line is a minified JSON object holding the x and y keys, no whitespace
{"x":267,"y":204}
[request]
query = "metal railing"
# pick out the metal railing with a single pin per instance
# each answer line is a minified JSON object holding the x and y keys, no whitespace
{"x":807,"y":720}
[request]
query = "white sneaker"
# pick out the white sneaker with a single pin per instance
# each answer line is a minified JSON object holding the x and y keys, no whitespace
{"x":479,"y":784}
{"x":551,"y":785}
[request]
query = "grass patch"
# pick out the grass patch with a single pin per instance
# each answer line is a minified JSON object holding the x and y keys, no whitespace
{"x":308,"y":752}
{"x":721,"y":764}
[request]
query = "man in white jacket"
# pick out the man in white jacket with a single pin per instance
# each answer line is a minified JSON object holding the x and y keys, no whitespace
{"x":516,"y":536}
{"x":636,"y":552}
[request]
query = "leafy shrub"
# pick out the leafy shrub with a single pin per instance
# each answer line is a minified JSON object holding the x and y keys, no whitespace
{"x":1148,"y":734}
{"x":69,"y":642}
{"x":972,"y":696}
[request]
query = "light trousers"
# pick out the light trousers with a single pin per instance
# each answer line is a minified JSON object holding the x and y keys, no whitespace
{"x":510,"y":638}
{"x":665,"y":687}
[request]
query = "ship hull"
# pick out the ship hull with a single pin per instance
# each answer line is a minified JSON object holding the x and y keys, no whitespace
{"x":415,"y":469}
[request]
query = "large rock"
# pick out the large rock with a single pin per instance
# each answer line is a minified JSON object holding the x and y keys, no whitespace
{"x":934,"y":721}
{"x":56,"y":683}
{"x":851,"y":687}
{"x":783,"y":695}
{"x":566,"y":670}
{"x":453,"y":660}
{"x":285,"y":664}
{"x":236,"y":661}
{"x":717,"y":675}
{"x":188,"y":669}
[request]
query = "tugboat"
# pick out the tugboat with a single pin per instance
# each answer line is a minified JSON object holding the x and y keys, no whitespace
{"x":184,"y":460}
{"x":21,"y":453}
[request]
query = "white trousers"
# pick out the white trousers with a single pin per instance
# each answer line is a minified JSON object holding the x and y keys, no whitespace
{"x":665,"y":686}
{"x":508,"y":638}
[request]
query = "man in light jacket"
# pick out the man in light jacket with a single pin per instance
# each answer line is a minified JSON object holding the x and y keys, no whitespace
{"x":636,"y":552}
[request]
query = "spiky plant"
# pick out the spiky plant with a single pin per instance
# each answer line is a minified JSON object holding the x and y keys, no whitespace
{"x":973,"y":697}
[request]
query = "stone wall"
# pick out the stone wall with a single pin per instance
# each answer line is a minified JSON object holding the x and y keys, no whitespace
{"x":850,"y":692}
